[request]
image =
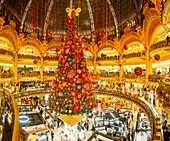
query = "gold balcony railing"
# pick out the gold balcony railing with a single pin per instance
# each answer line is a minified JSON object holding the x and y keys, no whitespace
{"x":6,"y":52}
{"x":134,"y":54}
{"x":133,"y":76}
{"x":53,"y":58}
{"x":141,"y":103}
{"x":14,"y":119}
{"x":107,"y":58}
{"x":155,"y":77}
{"x":116,"y":74}
{"x":27,"y":56}
{"x":6,"y":75}
{"x":164,"y":43}
{"x":29,"y":74}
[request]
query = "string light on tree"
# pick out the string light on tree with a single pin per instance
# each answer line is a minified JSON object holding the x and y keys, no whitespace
{"x":72,"y":87}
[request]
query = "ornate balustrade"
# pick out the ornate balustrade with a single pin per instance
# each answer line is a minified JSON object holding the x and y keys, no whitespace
{"x":54,"y":58}
{"x":155,"y":77}
{"x":6,"y":75}
{"x":29,"y":74}
{"x":133,"y":76}
{"x":26,"y":56}
{"x":107,"y":58}
{"x":31,"y":93}
{"x":164,"y":43}
{"x":135,"y":54}
{"x":6,"y":52}
{"x":109,"y":75}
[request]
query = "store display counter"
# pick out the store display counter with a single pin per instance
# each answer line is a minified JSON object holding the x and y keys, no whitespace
{"x":34,"y":124}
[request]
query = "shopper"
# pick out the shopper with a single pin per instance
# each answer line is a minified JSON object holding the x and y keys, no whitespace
{"x":166,"y":135}
{"x":93,"y":128}
{"x":52,"y":135}
{"x":132,"y":135}
{"x":164,"y":126}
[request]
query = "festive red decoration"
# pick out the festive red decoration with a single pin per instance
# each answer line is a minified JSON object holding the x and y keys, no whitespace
{"x":73,"y":47}
{"x":94,"y":76}
{"x":77,"y":57}
{"x":58,"y":108}
{"x":57,"y":50}
{"x":138,"y":71}
{"x":76,"y":107}
{"x":157,"y":57}
{"x":48,"y":34}
{"x":72,"y":86}
{"x":73,"y":93}
{"x":35,"y":61}
{"x":125,"y":47}
{"x":63,"y":61}
{"x":69,"y":21}
{"x":83,"y":75}
{"x":34,"y":25}
{"x":46,"y":21}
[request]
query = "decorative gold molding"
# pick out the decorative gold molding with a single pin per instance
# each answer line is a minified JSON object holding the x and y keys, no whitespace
{"x":1,"y":22}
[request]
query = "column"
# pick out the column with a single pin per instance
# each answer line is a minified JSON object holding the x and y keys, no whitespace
{"x":148,"y":65}
{"x":120,"y":68}
{"x":15,"y":66}
{"x":41,"y":68}
{"x":94,"y":64}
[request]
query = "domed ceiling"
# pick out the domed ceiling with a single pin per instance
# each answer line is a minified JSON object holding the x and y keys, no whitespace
{"x":95,"y":15}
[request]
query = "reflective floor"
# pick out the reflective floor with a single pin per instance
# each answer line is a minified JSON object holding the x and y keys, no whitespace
{"x":140,"y":136}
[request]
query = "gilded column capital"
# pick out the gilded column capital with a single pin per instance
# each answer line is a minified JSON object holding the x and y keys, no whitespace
{"x":20,"y":38}
{"x":94,"y":48}
{"x":12,"y":23}
{"x":33,"y":34}
{"x":44,"y":43}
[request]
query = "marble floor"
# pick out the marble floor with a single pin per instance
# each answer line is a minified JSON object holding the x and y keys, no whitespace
{"x":139,"y":136}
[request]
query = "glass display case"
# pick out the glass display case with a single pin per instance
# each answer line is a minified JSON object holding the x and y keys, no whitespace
{"x":34,"y":124}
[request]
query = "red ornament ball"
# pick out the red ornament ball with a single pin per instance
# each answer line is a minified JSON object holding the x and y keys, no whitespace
{"x":57,"y":50}
{"x":73,"y":47}
{"x":35,"y":61}
{"x":48,"y":35}
{"x":125,"y":47}
{"x":86,"y":70}
{"x":83,"y":75}
{"x":77,"y":57}
{"x":138,"y":71}
{"x":94,"y":76}
{"x":76,"y":107}
{"x":157,"y":57}
{"x":35,"y":25}
{"x":58,"y":108}
{"x":69,"y":21}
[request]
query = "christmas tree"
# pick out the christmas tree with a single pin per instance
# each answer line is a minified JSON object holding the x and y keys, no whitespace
{"x":72,"y":87}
